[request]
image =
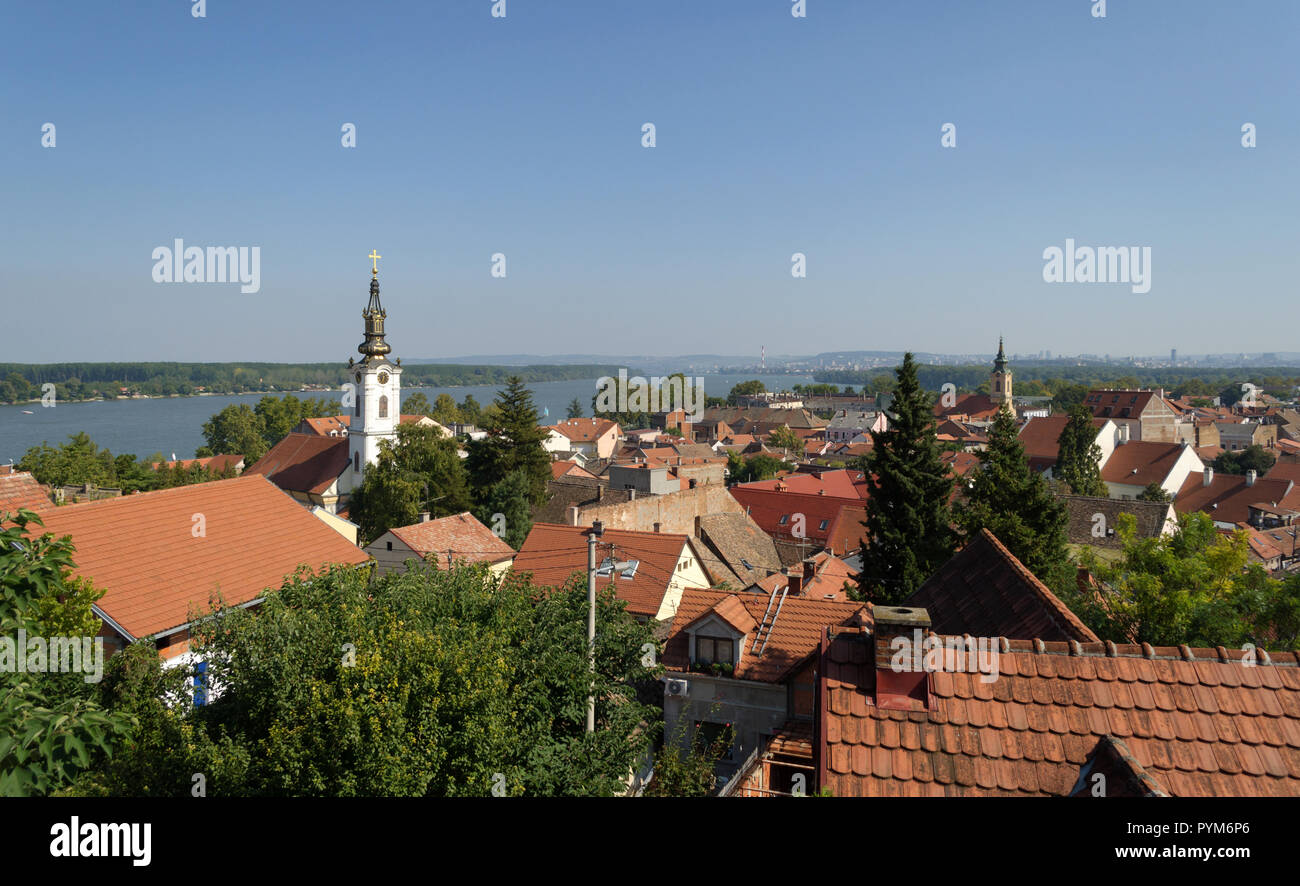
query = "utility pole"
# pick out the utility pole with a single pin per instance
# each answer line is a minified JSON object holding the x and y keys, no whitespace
{"x":597,"y":530}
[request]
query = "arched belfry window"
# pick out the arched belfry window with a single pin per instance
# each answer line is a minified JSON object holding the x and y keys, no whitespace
{"x":383,"y":407}
{"x":356,"y":462}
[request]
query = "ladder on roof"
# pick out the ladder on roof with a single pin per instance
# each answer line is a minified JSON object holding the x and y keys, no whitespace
{"x":764,"y":631}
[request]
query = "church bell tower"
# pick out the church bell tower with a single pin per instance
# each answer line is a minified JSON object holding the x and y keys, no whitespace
{"x":1000,"y":380}
{"x":377,"y":386}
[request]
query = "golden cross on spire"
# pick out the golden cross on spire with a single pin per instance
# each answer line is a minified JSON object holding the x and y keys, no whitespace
{"x":374,"y":257}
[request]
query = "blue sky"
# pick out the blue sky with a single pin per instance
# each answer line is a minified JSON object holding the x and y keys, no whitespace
{"x":522,"y":136}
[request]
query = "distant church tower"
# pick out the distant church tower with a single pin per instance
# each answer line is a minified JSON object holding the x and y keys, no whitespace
{"x":376,"y":410}
{"x":1000,"y":380}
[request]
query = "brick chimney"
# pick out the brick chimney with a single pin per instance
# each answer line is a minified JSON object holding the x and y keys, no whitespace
{"x":424,"y":516}
{"x":1207,"y":476}
{"x":809,"y":572}
{"x":902,"y":683}
{"x":795,"y":579}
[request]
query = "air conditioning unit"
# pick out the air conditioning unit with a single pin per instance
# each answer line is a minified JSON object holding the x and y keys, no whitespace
{"x":677,"y":688}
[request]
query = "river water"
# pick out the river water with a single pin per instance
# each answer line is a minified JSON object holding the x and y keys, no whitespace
{"x":175,"y":424}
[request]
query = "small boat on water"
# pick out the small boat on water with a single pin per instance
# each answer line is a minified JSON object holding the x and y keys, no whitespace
{"x":27,"y":412}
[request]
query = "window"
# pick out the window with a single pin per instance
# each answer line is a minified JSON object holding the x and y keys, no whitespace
{"x":356,"y":406}
{"x":711,"y":649}
{"x":708,"y":733}
{"x":383,"y":406}
{"x":201,"y":683}
{"x":784,"y":519}
{"x":356,"y":462}
{"x":390,"y":546}
{"x":823,"y":524}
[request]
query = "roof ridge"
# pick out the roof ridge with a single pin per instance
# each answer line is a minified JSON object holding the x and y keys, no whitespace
{"x":1109,"y":649}
{"x":140,"y":496}
{"x":1045,"y":594}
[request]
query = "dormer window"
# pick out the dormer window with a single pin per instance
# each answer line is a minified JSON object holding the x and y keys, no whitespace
{"x":715,"y":649}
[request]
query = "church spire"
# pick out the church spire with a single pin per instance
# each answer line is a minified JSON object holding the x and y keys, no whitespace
{"x":1000,"y":364}
{"x":374,"y":347}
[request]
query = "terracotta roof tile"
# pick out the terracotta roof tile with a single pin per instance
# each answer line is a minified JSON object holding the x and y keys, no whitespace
{"x":985,"y":591}
{"x":19,"y":489}
{"x":1154,"y":726}
{"x":304,"y":462}
{"x":462,"y":534}
{"x":141,"y":550}
{"x":554,"y":552}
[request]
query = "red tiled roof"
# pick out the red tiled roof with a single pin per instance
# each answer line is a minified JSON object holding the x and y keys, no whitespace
{"x":1041,"y":438}
{"x":846,"y":484}
{"x":141,"y":550}
{"x":554,"y":552}
{"x":974,"y":405}
{"x":304,"y":462}
{"x":214,"y":463}
{"x":583,"y":430}
{"x":793,"y":636}
{"x":462,"y":534}
{"x":1227,"y":499}
{"x":1119,"y":404}
{"x":776,"y":513}
{"x":984,"y":591}
{"x":563,"y":468}
{"x":1197,"y":721}
{"x":1152,"y":462}
{"x":19,"y":489}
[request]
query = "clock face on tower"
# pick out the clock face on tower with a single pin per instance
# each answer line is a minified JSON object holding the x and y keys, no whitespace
{"x":383,"y":378}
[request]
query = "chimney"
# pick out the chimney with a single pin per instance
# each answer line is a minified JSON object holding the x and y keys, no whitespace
{"x":1250,"y":477}
{"x":900,"y":637}
{"x":424,"y":516}
{"x":796,"y":580}
{"x":809,"y":572}
{"x":1207,"y":476}
{"x":631,"y":495}
{"x":571,"y":513}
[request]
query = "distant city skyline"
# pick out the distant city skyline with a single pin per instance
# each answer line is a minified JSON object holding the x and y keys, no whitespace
{"x":523,"y":137}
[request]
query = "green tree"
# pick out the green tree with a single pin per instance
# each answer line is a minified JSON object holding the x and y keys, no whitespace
{"x":509,"y":498}
{"x":908,"y":527}
{"x":421,"y":470}
{"x":686,"y":769}
{"x":1252,"y":458}
{"x":513,"y":443}
{"x":1153,"y":492}
{"x":575,"y":408}
{"x":1016,"y":505}
{"x":1079,"y":461}
{"x":416,"y":404}
{"x":445,"y":411}
{"x":50,"y":725}
{"x":745,"y":389}
{"x":1196,"y":586}
{"x":784,"y":438}
{"x":237,"y":430}
{"x":427,"y":683}
{"x":471,"y":411}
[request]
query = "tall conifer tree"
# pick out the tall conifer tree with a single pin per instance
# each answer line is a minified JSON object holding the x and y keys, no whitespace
{"x":909,"y":524}
{"x":1078,"y":462}
{"x":1016,"y":505}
